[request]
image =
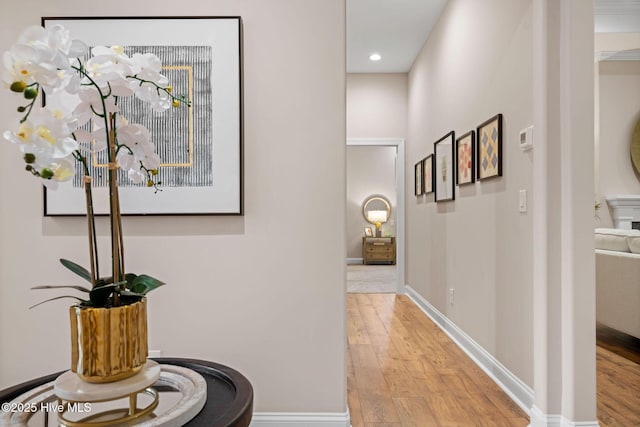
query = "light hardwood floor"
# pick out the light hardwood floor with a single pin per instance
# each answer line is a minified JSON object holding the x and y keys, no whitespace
{"x":404,"y":371}
{"x":618,"y":378}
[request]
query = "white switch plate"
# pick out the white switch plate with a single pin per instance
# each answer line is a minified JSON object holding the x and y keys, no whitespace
{"x":451,"y":296}
{"x":522,"y":203}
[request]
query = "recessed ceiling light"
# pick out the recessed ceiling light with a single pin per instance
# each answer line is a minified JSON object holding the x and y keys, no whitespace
{"x":375,"y":57}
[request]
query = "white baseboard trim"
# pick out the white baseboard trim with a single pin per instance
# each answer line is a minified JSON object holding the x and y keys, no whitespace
{"x":537,"y":418}
{"x":540,"y":419}
{"x":567,"y":423}
{"x":354,"y":261}
{"x":517,"y":390}
{"x":300,"y":419}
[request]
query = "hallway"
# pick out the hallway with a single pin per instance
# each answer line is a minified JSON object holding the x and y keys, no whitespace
{"x":404,"y":371}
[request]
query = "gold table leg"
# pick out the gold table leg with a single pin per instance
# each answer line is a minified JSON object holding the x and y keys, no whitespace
{"x":130,"y":413}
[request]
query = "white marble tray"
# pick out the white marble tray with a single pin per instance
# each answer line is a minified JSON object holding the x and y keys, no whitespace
{"x":190,"y":387}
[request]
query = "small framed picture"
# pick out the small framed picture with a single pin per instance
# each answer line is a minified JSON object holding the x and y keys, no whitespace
{"x":444,"y":175}
{"x":418,"y":188}
{"x":490,"y":148}
{"x":427,"y":173}
{"x":466,"y":158}
{"x":368,"y":232}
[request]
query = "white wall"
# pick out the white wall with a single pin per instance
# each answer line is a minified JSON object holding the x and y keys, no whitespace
{"x":619,"y":111}
{"x":244,"y":291}
{"x":480,"y":245}
{"x":376,"y":108}
{"x":370,"y":170}
{"x":377,"y":105}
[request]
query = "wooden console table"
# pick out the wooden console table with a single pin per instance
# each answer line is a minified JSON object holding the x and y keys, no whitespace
{"x":377,"y":250}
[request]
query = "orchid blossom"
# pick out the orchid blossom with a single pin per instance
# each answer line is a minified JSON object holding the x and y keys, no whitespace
{"x":82,"y":117}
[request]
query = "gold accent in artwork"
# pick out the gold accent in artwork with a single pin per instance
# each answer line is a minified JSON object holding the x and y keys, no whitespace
{"x":189,"y":70}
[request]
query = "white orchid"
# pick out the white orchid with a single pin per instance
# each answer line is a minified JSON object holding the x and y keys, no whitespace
{"x":44,"y":140}
{"x":42,"y":57}
{"x":48,"y":59}
{"x":27,"y":65}
{"x":81,"y":119}
{"x":45,"y":134}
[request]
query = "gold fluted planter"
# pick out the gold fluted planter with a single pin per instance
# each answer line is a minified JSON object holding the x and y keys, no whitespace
{"x":108,"y":344}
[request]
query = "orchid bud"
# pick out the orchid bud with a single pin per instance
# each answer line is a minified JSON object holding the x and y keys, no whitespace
{"x":46,"y":173}
{"x":30,"y":93}
{"x":18,"y":86}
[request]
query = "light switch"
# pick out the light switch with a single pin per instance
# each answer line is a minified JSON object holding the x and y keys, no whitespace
{"x":522,"y":205}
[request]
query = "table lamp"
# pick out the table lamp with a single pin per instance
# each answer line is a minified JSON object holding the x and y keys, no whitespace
{"x":378,"y":218}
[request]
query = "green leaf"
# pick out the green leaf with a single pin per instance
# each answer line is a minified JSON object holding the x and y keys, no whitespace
{"x":128,"y":297}
{"x":78,"y":269}
{"x":60,"y":297}
{"x":143,"y":284}
{"x":129,"y":277}
{"x":79,"y":288}
{"x":104,"y":281}
{"x":131,"y":294}
{"x":100,"y":294}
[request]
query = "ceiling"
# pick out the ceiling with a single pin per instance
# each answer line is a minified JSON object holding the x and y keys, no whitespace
{"x":397,"y":29}
{"x":617,"y":16}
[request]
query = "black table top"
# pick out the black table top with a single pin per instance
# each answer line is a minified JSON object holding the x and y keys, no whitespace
{"x":229,"y":393}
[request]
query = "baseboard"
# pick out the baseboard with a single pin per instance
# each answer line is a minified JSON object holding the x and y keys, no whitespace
{"x":567,"y":423}
{"x":517,"y":390}
{"x":540,"y":419}
{"x":537,"y":418}
{"x":300,"y":419}
{"x":354,"y":261}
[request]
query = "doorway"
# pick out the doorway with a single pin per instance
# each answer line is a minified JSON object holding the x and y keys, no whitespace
{"x":397,"y":228}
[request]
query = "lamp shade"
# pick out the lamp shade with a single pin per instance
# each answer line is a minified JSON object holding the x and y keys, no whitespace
{"x":377,"y":216}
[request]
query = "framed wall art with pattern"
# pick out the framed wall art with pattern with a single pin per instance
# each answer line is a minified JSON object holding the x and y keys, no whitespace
{"x":490,"y":148}
{"x":200,"y":146}
{"x":466,"y":158}
{"x":418,"y":188}
{"x":427,"y":174}
{"x":444,"y":174}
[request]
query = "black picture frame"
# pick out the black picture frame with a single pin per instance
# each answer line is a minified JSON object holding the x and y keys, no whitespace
{"x":466,"y":158}
{"x":427,"y":174}
{"x":489,"y":148}
{"x":216,"y":132}
{"x":418,"y":187}
{"x":444,"y":170}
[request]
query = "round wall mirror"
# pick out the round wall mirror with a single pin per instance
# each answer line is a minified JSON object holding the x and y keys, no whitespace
{"x":376,"y":209}
{"x":635,"y":147}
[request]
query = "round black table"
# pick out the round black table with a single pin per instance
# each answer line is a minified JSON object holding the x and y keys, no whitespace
{"x":229,"y":393}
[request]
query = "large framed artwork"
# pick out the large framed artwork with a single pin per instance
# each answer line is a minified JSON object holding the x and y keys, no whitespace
{"x":201,"y":146}
{"x":443,"y":155}
{"x":418,"y":186}
{"x":466,"y":159}
{"x":427,"y":173}
{"x":490,"y":148}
